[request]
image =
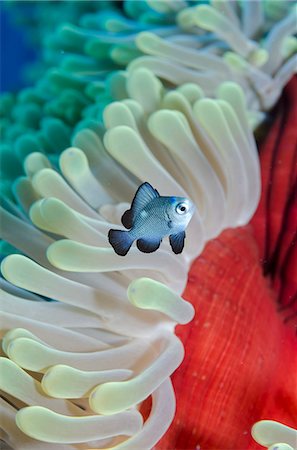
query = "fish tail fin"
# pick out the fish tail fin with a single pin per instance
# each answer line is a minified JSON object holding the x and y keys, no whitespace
{"x":120,"y":240}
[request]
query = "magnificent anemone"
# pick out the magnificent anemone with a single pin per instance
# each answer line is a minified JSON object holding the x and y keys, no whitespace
{"x":88,"y":335}
{"x":116,"y":314}
{"x":275,"y":435}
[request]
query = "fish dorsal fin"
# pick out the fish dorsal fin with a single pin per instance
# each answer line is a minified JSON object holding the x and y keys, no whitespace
{"x":144,"y":195}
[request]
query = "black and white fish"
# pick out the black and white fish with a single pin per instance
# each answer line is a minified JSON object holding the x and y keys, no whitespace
{"x":151,"y":218}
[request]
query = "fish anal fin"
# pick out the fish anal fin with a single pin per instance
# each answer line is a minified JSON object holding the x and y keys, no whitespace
{"x":148,"y":245}
{"x":177,"y":242}
{"x":127,"y":219}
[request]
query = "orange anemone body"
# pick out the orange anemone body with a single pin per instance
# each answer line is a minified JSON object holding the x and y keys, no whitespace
{"x":241,"y":358}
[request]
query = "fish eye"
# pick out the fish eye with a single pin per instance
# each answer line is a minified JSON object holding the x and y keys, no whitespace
{"x":181,"y":208}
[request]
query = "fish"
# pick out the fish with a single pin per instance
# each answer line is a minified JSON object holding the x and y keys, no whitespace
{"x":151,"y":218}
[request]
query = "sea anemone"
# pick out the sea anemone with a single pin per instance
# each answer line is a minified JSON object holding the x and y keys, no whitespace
{"x":240,"y":350}
{"x":116,"y":314}
{"x":88,"y":336}
{"x":275,"y":435}
{"x":180,"y":41}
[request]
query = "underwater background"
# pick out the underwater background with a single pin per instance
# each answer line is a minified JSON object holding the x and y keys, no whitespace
{"x":13,"y":62}
{"x":148,"y":351}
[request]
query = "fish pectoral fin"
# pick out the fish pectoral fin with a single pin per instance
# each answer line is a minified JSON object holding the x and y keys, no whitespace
{"x":177,"y":242}
{"x":127,"y":219}
{"x":148,"y":245}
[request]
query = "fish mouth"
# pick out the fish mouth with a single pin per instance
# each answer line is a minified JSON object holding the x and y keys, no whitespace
{"x":192,"y":207}
{"x":191,"y":211}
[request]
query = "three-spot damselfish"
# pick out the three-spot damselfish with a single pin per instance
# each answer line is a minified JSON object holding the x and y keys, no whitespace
{"x":151,"y":218}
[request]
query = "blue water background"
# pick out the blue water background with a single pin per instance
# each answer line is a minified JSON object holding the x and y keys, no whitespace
{"x":15,"y":54}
